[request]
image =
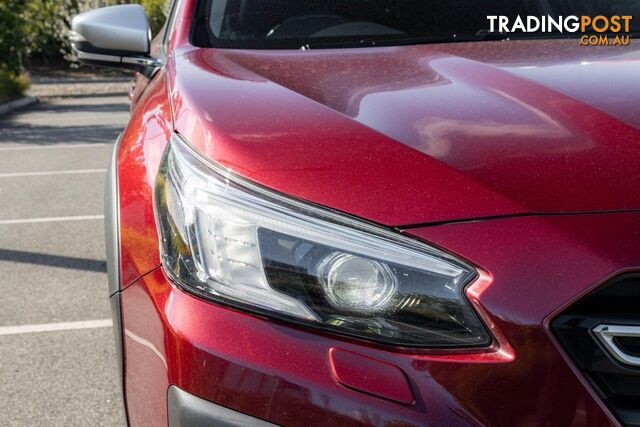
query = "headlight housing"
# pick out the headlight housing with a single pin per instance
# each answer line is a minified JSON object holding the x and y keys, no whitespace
{"x":236,"y":243}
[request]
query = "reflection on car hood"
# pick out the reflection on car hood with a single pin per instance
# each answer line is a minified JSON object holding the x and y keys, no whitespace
{"x":420,"y":134}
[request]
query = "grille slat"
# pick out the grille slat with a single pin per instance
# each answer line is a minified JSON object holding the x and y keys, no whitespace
{"x":615,"y":303}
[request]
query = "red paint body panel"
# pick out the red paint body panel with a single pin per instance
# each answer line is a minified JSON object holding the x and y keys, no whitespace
{"x":399,"y":136}
{"x":141,"y":147}
{"x":282,"y":373}
{"x":418,"y":134}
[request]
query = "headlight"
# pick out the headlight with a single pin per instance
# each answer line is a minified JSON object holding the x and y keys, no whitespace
{"x":239,"y":244}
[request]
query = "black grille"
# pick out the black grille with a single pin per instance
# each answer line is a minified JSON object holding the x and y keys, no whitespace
{"x":615,"y":303}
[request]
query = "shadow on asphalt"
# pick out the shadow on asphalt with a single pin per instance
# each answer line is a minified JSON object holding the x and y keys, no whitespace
{"x":112,"y":107}
{"x":57,"y":121}
{"x":47,"y":135}
{"x":53,"y":260}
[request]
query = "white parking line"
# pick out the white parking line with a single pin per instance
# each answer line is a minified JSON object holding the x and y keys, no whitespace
{"x":51,"y":219}
{"x":53,"y":146}
{"x":53,"y":327}
{"x":67,"y":172}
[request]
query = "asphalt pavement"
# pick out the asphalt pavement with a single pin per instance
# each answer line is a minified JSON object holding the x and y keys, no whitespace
{"x":57,"y":358}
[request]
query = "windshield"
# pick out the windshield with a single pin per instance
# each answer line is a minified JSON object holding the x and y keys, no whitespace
{"x":295,"y":24}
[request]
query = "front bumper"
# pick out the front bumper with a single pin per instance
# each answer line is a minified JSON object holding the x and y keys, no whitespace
{"x":187,"y":410}
{"x":284,"y":375}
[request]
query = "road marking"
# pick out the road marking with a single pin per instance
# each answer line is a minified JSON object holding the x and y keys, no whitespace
{"x":68,"y":172}
{"x":51,"y":219}
{"x":54,"y":327}
{"x":54,"y":146}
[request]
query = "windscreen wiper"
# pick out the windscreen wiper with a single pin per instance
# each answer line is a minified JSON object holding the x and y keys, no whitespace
{"x":399,"y":41}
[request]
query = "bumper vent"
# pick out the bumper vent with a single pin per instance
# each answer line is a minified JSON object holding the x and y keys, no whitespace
{"x":601,"y":333}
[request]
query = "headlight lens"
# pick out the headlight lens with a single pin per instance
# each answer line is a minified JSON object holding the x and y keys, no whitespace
{"x":237,"y":243}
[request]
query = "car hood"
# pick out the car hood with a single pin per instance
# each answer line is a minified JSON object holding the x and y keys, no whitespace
{"x":421,"y":134}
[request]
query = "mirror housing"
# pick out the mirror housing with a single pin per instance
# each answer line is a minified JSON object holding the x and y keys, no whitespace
{"x":114,"y":36}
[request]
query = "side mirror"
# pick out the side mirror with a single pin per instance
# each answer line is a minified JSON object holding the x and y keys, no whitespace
{"x":115,"y":36}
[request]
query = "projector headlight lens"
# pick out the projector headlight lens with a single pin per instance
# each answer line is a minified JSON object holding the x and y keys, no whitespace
{"x":356,"y":284}
{"x":236,"y":243}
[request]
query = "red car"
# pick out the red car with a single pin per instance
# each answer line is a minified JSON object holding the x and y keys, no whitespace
{"x":373,"y":212}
